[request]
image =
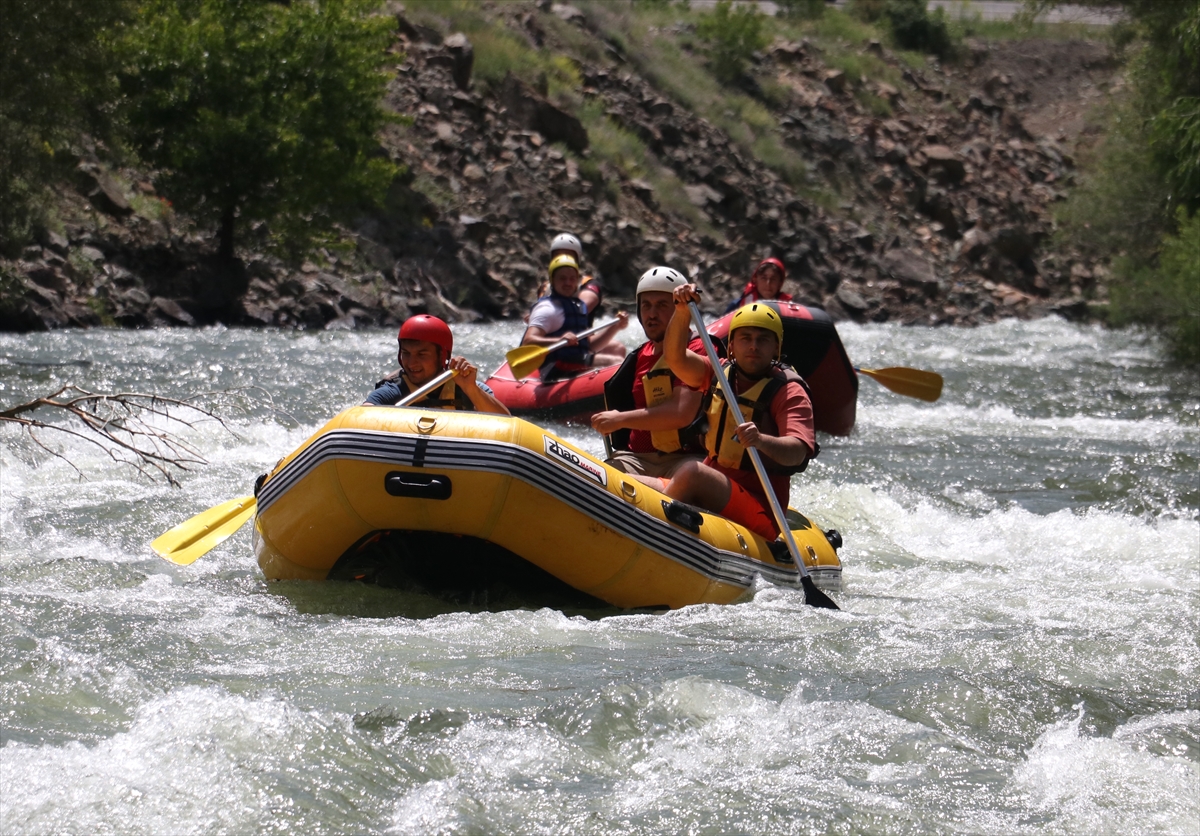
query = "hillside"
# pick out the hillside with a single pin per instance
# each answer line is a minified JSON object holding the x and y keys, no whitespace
{"x":893,"y":188}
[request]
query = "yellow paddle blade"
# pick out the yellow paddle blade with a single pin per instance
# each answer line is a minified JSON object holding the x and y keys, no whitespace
{"x":186,"y":542}
{"x":915,"y":383}
{"x":524,"y":360}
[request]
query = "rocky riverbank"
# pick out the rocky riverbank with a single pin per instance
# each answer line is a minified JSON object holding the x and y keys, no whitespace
{"x":942,"y":211}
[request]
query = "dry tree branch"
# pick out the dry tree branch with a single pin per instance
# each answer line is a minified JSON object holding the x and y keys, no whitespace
{"x":122,"y":424}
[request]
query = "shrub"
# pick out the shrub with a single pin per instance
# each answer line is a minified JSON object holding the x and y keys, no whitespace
{"x":913,"y":27}
{"x":866,"y":10}
{"x":1168,"y":293}
{"x":800,"y":9}
{"x":732,"y":36}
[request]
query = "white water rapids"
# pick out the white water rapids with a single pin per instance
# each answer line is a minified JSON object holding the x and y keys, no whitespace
{"x":1018,"y":649}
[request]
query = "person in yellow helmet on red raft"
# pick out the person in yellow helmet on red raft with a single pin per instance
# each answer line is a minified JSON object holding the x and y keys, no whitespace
{"x":426,"y":346}
{"x":774,"y":398}
{"x":560,"y":316}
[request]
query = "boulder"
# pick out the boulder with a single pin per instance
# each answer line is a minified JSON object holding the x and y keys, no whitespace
{"x":172,"y":310}
{"x":911,"y":268}
{"x":530,"y":110}
{"x":940,"y":158}
{"x":464,"y":59}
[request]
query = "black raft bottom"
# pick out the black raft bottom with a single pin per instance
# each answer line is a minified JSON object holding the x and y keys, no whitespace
{"x":466,"y":573}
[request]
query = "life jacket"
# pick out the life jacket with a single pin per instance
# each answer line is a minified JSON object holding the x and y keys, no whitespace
{"x":658,"y":387}
{"x":449,"y":396}
{"x":575,"y":320}
{"x":720,"y":441}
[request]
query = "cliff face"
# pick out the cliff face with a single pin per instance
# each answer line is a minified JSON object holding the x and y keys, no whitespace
{"x":926,"y":203}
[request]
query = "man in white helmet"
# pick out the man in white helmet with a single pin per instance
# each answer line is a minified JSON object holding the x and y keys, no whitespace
{"x":591,"y":291}
{"x":653,"y":419}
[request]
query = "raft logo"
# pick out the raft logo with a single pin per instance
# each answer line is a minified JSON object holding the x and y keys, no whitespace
{"x":576,"y":462}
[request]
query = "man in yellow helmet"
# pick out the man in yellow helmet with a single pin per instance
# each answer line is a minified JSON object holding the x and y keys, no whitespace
{"x":561,"y":316}
{"x":771,"y":394}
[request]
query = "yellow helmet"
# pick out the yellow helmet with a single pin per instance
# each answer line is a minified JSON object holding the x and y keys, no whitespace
{"x":563,"y":260}
{"x":758,"y":315}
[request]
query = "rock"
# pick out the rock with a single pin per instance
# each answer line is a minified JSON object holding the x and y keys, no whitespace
{"x":702,"y":194}
{"x":835,"y":80}
{"x":851,"y":299}
{"x":939,"y":157}
{"x":171,"y":309}
{"x":912,"y":268}
{"x":51,"y":240}
{"x":464,"y":59}
{"x":567,"y":12}
{"x":49,"y":277}
{"x":975,"y":243}
{"x":104,"y":193}
{"x":533,"y":112}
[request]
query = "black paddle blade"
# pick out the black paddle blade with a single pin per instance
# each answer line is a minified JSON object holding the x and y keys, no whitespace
{"x":815,"y":597}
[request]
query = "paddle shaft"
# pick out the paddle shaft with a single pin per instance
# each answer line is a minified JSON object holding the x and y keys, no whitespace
{"x":425,"y":388}
{"x":556,"y":346}
{"x":759,"y":468}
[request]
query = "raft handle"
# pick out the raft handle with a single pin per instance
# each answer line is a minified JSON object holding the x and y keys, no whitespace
{"x":418,"y":485}
{"x":629,"y":490}
{"x":683,"y":515}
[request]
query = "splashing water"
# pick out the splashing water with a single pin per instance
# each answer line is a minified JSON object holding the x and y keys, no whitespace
{"x":1017,"y":650}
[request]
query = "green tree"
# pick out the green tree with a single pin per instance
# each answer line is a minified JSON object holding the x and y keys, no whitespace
{"x":732,"y":35}
{"x":253,"y":110}
{"x":1139,"y":202}
{"x":800,"y":9}
{"x":55,"y":82}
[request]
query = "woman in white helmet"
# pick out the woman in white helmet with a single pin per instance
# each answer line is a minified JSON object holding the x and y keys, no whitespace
{"x":591,"y":291}
{"x":652,"y":418}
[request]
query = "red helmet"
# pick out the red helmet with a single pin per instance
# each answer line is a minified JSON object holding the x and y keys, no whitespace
{"x":430,"y":329}
{"x":774,"y":262}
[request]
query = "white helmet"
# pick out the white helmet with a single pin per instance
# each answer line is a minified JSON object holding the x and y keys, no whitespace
{"x":567,"y":241}
{"x":660,"y":278}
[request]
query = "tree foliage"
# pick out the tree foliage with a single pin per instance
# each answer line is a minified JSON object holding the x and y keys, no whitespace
{"x":800,"y":9}
{"x":1140,"y":200}
{"x":732,"y":35}
{"x":254,"y":110}
{"x":55,"y":82}
{"x":914,"y":27}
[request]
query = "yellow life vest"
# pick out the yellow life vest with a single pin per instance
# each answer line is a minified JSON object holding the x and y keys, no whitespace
{"x":658,"y":388}
{"x":721,"y":441}
{"x":448,"y":397}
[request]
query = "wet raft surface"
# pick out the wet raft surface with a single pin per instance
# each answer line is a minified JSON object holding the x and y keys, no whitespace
{"x":1017,"y":651}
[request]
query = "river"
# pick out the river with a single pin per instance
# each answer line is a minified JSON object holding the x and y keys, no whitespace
{"x":1018,"y":649}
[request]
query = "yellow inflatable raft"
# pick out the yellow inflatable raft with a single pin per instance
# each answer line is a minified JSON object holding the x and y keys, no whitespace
{"x":454,"y":495}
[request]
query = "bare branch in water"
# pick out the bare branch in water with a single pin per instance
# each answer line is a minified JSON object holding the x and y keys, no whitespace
{"x":122,"y":424}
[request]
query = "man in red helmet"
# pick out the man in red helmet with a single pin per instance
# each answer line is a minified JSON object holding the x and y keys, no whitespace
{"x":766,"y":283}
{"x":425,"y":351}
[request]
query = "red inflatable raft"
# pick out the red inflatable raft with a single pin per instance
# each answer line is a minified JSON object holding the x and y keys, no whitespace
{"x":810,"y":344}
{"x":581,"y":396}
